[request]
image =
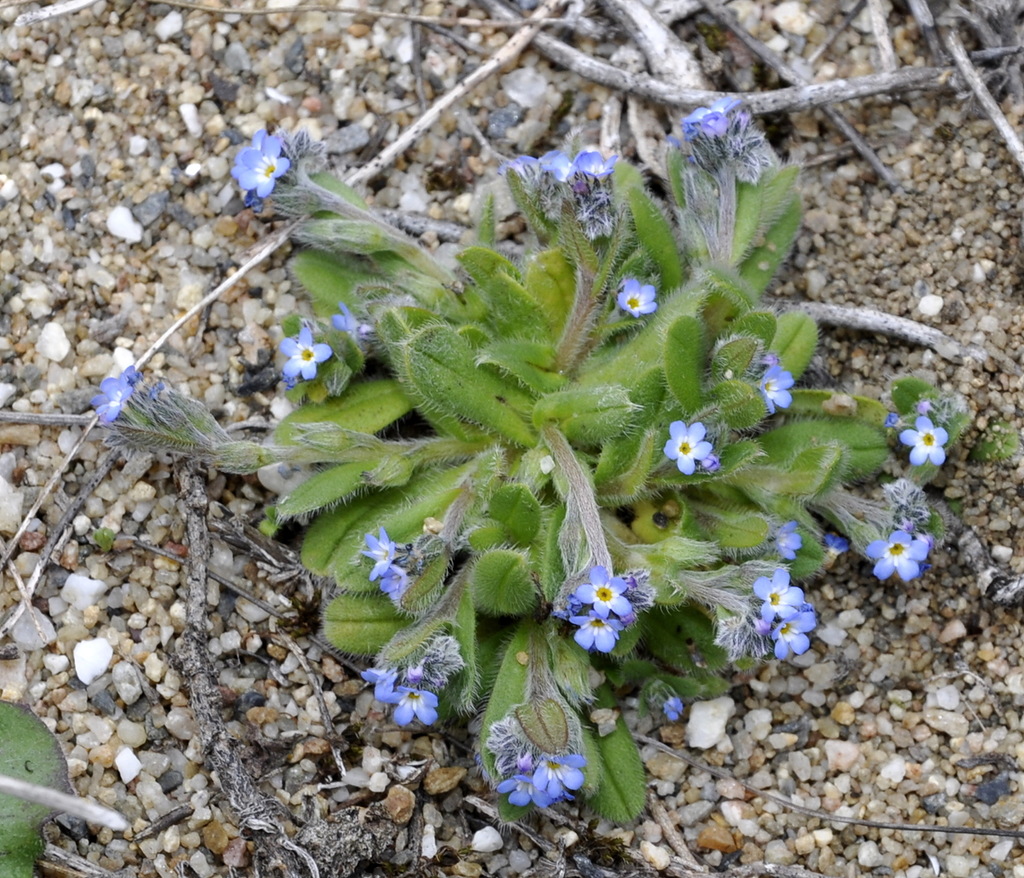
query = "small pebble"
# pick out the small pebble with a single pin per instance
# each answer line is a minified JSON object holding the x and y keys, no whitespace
{"x":169,"y":25}
{"x":82,"y":592}
{"x":53,"y":342}
{"x":92,"y":657}
{"x":128,"y":765}
{"x":706,"y":725}
{"x":930,"y":306}
{"x":487,"y":840}
{"x":122,"y":224}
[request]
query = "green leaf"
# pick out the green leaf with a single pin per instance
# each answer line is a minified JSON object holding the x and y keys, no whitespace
{"x":624,"y":465}
{"x":734,"y":526}
{"x":795,"y":341}
{"x":461,"y":690}
{"x":529,"y":362}
{"x":865,"y":446}
{"x":510,"y":684}
{"x":684,"y":638}
{"x":732,"y":358}
{"x":518,"y":510}
{"x":551,"y":280}
{"x":545,"y":723}
{"x":740,"y":405}
{"x":362,"y":625}
{"x":685,"y":354}
{"x":622,"y":790}
{"x":502,"y":583}
{"x":587,"y":415}
{"x":811,"y":472}
{"x":29,"y":752}
{"x":759,"y":206}
{"x":908,"y":392}
{"x":366,"y":407}
{"x":835,"y":404}
{"x":998,"y":441}
{"x":761,"y":325}
{"x":333,"y":184}
{"x":509,"y":307}
{"x":329,"y":279}
{"x":657,"y":238}
{"x":321,"y":490}
{"x":486,"y":231}
{"x":762,"y":263}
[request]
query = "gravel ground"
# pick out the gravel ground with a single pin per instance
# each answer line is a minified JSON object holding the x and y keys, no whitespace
{"x":118,"y":126}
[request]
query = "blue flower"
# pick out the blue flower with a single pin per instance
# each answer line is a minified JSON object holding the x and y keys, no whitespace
{"x":114,"y":393}
{"x":605,"y":592}
{"x":901,"y":553}
{"x":596,"y":632}
{"x":924,"y":406}
{"x":257,"y":167}
{"x":522,"y":791}
{"x":711,"y":121}
{"x":635,"y":299}
{"x":556,"y":775}
{"x":558,"y":164}
{"x":780,"y":598}
{"x":775,"y":388}
{"x":927,"y":442}
{"x":383,"y":683}
{"x":418,"y":703}
{"x":303,"y":355}
{"x":381,"y":551}
{"x":891,"y":420}
{"x":835,"y":544}
{"x":673,"y":708}
{"x":593,"y":165}
{"x":788,"y":541}
{"x":712,"y":463}
{"x":394,"y":582}
{"x":521,"y":165}
{"x":791,"y":634}
{"x":686,"y":445}
{"x":345,"y":321}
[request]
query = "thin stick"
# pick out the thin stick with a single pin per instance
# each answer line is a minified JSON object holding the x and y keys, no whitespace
{"x":926,"y":22}
{"x":883,"y":40}
{"x":52,"y":11}
{"x":74,"y":805}
{"x":672,"y":835}
{"x":812,"y":59}
{"x":869,"y":320}
{"x":777,"y":101}
{"x":499,"y":59}
{"x":777,"y":63}
{"x":45,"y":419}
{"x":985,"y":99}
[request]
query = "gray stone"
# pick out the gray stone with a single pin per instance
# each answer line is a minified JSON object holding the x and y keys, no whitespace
{"x":149,"y":209}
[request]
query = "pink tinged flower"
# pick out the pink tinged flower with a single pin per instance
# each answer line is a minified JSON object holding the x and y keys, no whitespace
{"x":415,"y":703}
{"x":686,"y":445}
{"x":791,"y":634}
{"x":605,"y":592}
{"x":781,"y":599}
{"x":926,"y":442}
{"x":303,"y":355}
{"x":258,"y":167}
{"x":901,"y":553}
{"x":380,"y":550}
{"x":637,"y":300}
{"x":596,"y":632}
{"x":775,"y":388}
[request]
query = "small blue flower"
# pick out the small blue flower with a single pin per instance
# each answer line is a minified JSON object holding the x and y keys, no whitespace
{"x":345,"y":321}
{"x":418,"y":703}
{"x":521,"y":791}
{"x":596,"y":632}
{"x":901,"y":553}
{"x":592,"y":164}
{"x":114,"y":393}
{"x":788,"y":541}
{"x":926,"y":442}
{"x":303,"y":355}
{"x":556,"y":775}
{"x":673,"y":708}
{"x":257,"y":167}
{"x":380,"y":550}
{"x":891,"y":420}
{"x":712,"y":463}
{"x":775,"y":388}
{"x":711,"y":121}
{"x":635,"y":299}
{"x":520,"y":164}
{"x":605,"y":592}
{"x":780,"y":598}
{"x":394,"y":582}
{"x":558,"y":164}
{"x":791,"y":634}
{"x":924,"y":406}
{"x":835,"y":544}
{"x":686,"y":445}
{"x":383,"y":680}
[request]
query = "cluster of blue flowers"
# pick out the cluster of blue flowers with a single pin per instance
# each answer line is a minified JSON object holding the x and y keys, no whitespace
{"x":114,"y":393}
{"x":785,"y":615}
{"x":604,"y":605}
{"x":258,"y":167}
{"x":544,"y":781}
{"x":387,"y":568}
{"x":411,"y":700}
{"x":562,"y":168}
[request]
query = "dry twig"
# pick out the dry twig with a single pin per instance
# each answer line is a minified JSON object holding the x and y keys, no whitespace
{"x":883,"y":40}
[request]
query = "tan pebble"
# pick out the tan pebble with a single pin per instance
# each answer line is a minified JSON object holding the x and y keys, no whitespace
{"x":312,"y":103}
{"x":443,"y":780}
{"x":657,"y":856}
{"x":20,"y":434}
{"x":358,"y":30}
{"x":954,"y":630}
{"x":400,"y":803}
{"x":843,"y":713}
{"x":332,"y":670}
{"x":665,"y":766}
{"x":215,"y":837}
{"x":716,"y":838}
{"x":804,"y":844}
{"x":102,"y":755}
{"x":277,"y":652}
{"x":467,"y":869}
{"x":261,"y":715}
{"x":225,"y":226}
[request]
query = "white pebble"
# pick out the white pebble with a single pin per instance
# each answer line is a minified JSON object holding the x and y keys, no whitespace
{"x":92,"y":657}
{"x":168,"y":26}
{"x":519,"y":861}
{"x":841,"y":754}
{"x":137,"y":144}
{"x":428,"y":845}
{"x":9,"y":189}
{"x":128,"y":765}
{"x":126,"y":682}
{"x":6,"y":392}
{"x":53,"y":342}
{"x":56,"y":664}
{"x":525,"y":86}
{"x":190,"y":116}
{"x":25,"y":632}
{"x":930,"y":305}
{"x":895,"y":769}
{"x":868,"y":855}
{"x":81,"y":591}
{"x":706,"y":726}
{"x":487,"y":840}
{"x":11,"y":500}
{"x":948,"y":697}
{"x":1002,"y":554}
{"x":657,"y":856}
{"x":792,"y":17}
{"x":122,"y":224}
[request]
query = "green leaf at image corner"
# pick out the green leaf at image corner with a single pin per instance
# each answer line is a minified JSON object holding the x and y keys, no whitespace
{"x":29,"y":752}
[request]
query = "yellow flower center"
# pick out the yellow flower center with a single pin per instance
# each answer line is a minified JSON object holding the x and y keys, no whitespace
{"x":633,"y":302}
{"x":896,"y":549}
{"x":685,"y":448}
{"x":307,"y":354}
{"x":604,"y":593}
{"x":268,"y":171}
{"x":927,"y":439}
